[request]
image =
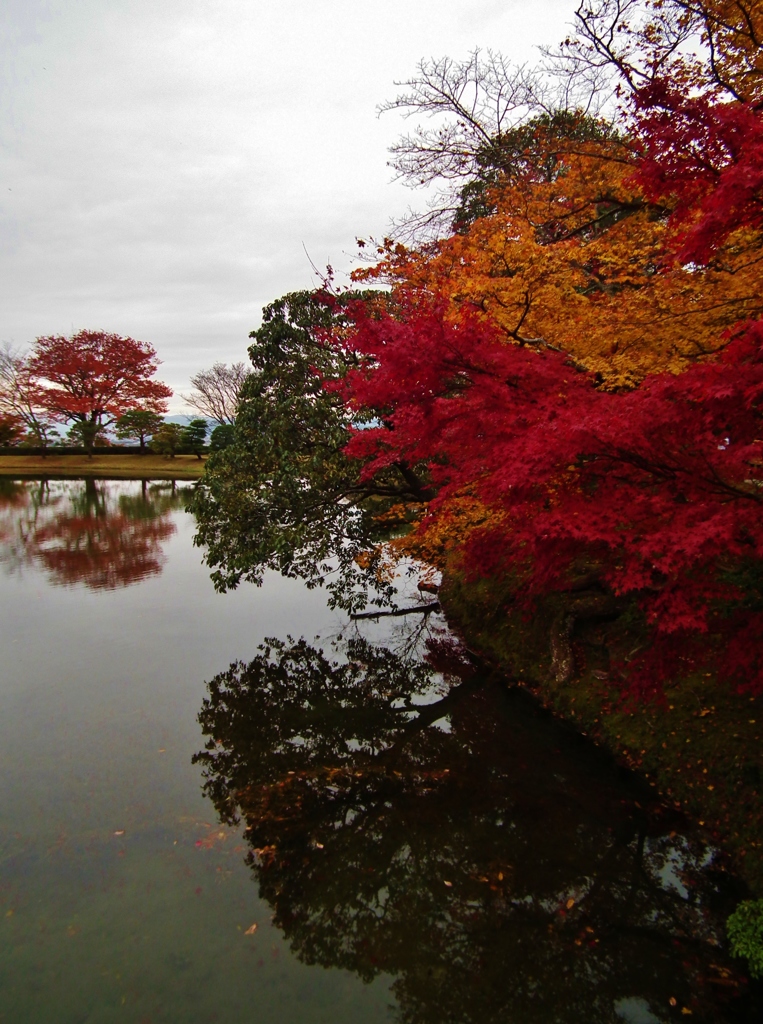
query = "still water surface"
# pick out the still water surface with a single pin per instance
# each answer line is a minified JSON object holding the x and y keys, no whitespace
{"x":412,"y":844}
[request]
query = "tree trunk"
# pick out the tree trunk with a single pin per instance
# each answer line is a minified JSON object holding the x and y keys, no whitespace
{"x":422,"y":609}
{"x":582,"y":606}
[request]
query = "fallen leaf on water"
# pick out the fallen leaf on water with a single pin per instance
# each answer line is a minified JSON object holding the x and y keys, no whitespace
{"x":251,"y":930}
{"x":570,"y":904}
{"x":449,"y":884}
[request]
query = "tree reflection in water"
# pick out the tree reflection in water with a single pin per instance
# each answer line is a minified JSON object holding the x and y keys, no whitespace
{"x":470,"y":846}
{"x":88,"y":531}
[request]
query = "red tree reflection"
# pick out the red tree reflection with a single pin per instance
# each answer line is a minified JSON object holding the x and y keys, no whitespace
{"x":94,"y":533}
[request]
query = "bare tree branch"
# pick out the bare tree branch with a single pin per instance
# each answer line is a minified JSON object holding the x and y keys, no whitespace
{"x":474,"y":105}
{"x":615,"y":47}
{"x":19,"y":395}
{"x":628,"y":43}
{"x":217,"y":391}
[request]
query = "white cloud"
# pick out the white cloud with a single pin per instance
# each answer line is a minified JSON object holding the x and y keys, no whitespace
{"x":165,"y":165}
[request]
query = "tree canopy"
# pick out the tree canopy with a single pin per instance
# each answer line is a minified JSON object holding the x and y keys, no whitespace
{"x":138,"y":424}
{"x":217,"y":391}
{"x":92,"y":378}
{"x":564,"y":389}
{"x":285,"y":495}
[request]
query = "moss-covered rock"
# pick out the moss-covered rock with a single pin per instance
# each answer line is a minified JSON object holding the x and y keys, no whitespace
{"x":698,"y":744}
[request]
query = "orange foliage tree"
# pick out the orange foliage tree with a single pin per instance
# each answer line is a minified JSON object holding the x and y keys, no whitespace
{"x":573,"y":373}
{"x":579,"y":260}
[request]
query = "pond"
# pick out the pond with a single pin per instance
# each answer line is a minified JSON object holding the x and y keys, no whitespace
{"x":345,"y":824}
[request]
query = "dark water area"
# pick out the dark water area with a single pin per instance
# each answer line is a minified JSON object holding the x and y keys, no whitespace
{"x":200,"y":824}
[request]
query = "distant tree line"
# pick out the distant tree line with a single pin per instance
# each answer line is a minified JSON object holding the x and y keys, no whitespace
{"x":88,"y":380}
{"x":94,"y":382}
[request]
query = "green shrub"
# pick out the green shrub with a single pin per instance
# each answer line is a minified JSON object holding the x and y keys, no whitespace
{"x":222,"y":437}
{"x":745,"y":930}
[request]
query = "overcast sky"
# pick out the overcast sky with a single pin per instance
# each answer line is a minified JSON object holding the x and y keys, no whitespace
{"x":164,"y":164}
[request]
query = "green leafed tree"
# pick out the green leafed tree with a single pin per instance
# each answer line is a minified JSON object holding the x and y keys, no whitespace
{"x":138,"y":425}
{"x":284,"y":495}
{"x":221,"y":437}
{"x":168,"y":440}
{"x":87,"y":434}
{"x":195,"y":437}
{"x":745,"y":930}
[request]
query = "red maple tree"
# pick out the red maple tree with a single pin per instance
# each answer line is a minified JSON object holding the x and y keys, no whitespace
{"x":656,"y":492}
{"x":93,"y":377}
{"x":702,"y":155}
{"x":11,"y":429}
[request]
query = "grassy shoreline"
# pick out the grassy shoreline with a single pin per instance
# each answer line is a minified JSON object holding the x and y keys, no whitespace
{"x":117,"y":467}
